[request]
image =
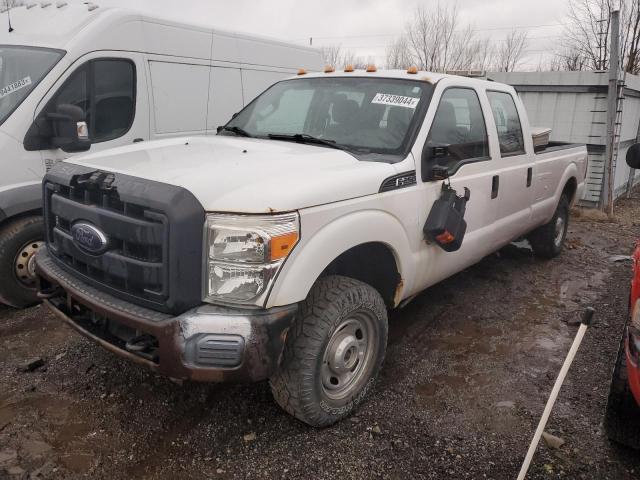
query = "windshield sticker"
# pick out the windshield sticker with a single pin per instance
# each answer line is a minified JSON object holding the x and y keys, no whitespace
{"x":15,"y":86}
{"x":395,"y":100}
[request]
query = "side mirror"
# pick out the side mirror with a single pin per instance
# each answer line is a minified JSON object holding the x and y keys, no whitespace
{"x":431,"y":156}
{"x":65,"y":129}
{"x":633,"y":156}
{"x":70,"y":130}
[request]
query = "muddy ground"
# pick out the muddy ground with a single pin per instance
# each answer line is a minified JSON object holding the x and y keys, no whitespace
{"x":469,"y":367}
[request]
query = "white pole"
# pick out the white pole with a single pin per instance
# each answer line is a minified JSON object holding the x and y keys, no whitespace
{"x":586,"y":322}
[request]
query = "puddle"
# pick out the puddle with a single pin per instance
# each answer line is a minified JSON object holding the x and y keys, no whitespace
{"x":68,"y":430}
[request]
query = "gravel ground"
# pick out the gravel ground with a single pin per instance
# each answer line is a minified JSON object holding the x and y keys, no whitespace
{"x":469,"y":367}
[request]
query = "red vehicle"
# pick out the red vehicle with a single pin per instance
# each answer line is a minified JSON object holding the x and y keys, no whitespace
{"x":622,"y":417}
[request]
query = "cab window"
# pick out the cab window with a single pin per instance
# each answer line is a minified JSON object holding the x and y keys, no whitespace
{"x":458,"y":133}
{"x":505,"y":115}
{"x":105,"y":90}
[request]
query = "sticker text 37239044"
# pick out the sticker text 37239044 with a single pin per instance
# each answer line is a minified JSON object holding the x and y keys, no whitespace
{"x":15,"y":86}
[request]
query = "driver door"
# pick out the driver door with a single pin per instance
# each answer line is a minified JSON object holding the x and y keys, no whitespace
{"x":459,"y":126}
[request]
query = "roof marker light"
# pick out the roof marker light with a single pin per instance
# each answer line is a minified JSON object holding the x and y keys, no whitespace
{"x":31,"y":5}
{"x":92,"y":6}
{"x":371,"y":69}
{"x":349,"y":69}
{"x":45,"y":4}
{"x":329,"y":69}
{"x":302,"y":71}
{"x":412,"y":70}
{"x":61,"y":4}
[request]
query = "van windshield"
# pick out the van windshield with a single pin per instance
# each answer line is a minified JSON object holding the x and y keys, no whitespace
{"x":361,"y":115}
{"x":21,"y":69}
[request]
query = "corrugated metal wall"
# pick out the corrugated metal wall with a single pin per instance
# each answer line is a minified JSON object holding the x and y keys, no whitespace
{"x":574,"y":104}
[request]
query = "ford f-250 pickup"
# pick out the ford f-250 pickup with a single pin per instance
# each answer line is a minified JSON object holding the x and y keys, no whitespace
{"x":274,"y":249}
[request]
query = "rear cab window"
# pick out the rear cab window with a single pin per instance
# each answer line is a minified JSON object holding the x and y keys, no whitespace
{"x":507,"y":120}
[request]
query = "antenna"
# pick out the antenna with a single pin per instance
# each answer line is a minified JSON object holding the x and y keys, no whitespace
{"x":9,"y":15}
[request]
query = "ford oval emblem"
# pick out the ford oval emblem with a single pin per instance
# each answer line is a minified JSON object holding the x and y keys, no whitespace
{"x":89,"y":238}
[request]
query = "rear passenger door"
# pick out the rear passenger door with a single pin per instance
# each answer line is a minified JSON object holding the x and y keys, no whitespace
{"x":513,"y":178}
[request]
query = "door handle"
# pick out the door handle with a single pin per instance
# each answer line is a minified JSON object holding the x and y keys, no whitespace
{"x":495,"y":185}
{"x":529,"y":176}
{"x":138,"y":140}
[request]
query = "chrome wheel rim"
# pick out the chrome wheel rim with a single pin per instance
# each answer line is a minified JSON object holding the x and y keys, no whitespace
{"x":348,"y":355}
{"x":559,"y":231}
{"x":25,"y":265}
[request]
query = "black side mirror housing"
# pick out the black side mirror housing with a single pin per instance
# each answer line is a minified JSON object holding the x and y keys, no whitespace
{"x":431,"y":154}
{"x":65,"y":129}
{"x":633,"y":156}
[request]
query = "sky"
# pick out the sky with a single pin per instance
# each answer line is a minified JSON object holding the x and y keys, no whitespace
{"x":363,"y":26}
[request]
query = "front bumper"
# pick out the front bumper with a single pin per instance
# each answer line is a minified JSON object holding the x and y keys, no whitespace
{"x":208,"y":343}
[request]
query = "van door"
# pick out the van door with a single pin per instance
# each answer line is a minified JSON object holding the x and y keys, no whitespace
{"x":225,"y":96}
{"x":111,"y":90}
{"x":513,"y":179}
{"x":459,"y":131}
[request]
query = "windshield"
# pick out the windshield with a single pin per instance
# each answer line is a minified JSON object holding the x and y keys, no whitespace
{"x":21,"y":69}
{"x":362,"y":115}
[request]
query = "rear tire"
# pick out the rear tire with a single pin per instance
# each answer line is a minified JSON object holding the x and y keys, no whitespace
{"x":547,"y":241}
{"x":333,"y":353}
{"x":622,"y":416}
{"x":19,"y":241}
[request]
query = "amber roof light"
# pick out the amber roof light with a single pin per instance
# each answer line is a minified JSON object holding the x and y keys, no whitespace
{"x":349,"y":68}
{"x":302,"y":71}
{"x":329,"y":69}
{"x":412,"y":70}
{"x":371,"y":69}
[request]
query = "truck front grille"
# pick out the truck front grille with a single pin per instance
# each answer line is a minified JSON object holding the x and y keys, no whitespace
{"x":141,"y":220}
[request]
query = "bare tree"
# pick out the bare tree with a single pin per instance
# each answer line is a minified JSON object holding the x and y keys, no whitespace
{"x":332,"y":55}
{"x":511,"y":51}
{"x":398,"y":54}
{"x":588,"y":33}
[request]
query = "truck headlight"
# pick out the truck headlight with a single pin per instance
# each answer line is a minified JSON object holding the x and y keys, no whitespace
{"x":244,"y":253}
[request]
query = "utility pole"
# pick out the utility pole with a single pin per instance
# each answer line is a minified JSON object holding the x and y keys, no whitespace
{"x":607,"y":193}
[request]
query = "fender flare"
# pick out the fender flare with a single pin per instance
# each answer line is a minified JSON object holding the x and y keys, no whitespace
{"x":570,"y":172}
{"x":19,"y":199}
{"x":313,"y":255}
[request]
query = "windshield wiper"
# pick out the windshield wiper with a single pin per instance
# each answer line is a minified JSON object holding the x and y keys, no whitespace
{"x":241,"y":132}
{"x":308,"y":139}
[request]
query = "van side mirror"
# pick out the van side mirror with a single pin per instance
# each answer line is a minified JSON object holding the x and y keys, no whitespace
{"x":70,"y":130}
{"x":633,"y":156}
{"x":66,"y":128}
{"x":431,"y":168}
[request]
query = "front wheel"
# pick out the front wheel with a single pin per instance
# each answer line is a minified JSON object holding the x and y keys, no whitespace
{"x":547,"y":241}
{"x":20,"y":239}
{"x":333,"y":353}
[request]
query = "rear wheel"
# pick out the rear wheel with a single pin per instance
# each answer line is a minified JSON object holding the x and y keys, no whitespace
{"x":547,"y":241}
{"x":333,"y":352}
{"x":622,"y":416}
{"x":20,"y":239}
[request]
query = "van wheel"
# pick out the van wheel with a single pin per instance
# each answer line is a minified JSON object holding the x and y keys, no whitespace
{"x":547,"y":241}
{"x":333,"y":353}
{"x":20,"y":239}
{"x":622,"y":416}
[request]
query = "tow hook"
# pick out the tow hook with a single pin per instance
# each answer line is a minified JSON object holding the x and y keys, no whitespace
{"x":144,"y":345}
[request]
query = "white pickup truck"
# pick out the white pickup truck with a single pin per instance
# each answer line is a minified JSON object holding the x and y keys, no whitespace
{"x":274,"y":249}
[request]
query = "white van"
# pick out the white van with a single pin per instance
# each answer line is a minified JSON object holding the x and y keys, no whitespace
{"x":131,"y":78}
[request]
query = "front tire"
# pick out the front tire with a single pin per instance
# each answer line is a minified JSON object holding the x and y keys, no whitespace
{"x":547,"y":241}
{"x":333,"y":353}
{"x":20,"y":239}
{"x":622,"y":416}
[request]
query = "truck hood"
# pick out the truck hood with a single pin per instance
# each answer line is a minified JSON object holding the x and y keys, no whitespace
{"x":245,"y":175}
